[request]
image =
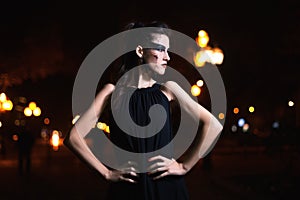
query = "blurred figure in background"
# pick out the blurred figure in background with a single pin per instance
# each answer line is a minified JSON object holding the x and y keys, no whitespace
{"x":25,"y":144}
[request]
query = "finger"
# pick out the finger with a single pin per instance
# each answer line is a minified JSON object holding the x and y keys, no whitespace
{"x":130,"y":169}
{"x":159,"y":157}
{"x":161,"y":175}
{"x":127,"y":179}
{"x":159,"y":164}
{"x":160,"y":169}
{"x":156,"y":165}
{"x":130,"y":173}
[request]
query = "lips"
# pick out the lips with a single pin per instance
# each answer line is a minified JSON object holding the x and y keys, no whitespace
{"x":164,"y":65}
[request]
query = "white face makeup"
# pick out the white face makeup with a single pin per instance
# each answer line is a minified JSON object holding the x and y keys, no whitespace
{"x":157,"y":57}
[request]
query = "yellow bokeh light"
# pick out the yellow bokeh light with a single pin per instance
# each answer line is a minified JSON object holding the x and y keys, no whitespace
{"x":107,"y":129}
{"x":202,"y":42}
{"x":55,"y":140}
{"x":101,"y":125}
{"x":7,"y":105}
{"x":195,"y":90}
{"x":251,"y":109}
{"x":202,"y":39}
{"x":27,"y":112}
{"x":37,"y":111}
{"x":202,"y":33}
{"x":32,"y":105}
{"x":2,"y":97}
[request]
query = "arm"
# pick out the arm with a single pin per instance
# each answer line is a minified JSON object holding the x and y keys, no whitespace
{"x":210,"y":131}
{"x":75,"y":139}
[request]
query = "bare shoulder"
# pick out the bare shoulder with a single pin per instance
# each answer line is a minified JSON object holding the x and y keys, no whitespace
{"x":171,"y":85}
{"x":169,"y":88}
{"x":107,"y":89}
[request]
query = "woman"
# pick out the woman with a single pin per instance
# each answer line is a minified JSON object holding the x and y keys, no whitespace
{"x":138,"y":90}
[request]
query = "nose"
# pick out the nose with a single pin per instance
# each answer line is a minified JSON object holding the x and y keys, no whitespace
{"x":166,"y":56}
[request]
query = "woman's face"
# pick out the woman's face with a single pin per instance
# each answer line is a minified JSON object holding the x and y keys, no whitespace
{"x":157,"y":57}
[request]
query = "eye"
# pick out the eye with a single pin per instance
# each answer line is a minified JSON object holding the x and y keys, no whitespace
{"x":160,"y":49}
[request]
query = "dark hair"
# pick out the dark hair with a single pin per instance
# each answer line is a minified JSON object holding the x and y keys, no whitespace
{"x":157,"y":24}
{"x":117,"y":70}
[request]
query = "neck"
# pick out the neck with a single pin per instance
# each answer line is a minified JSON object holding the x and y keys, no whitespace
{"x":145,"y":79}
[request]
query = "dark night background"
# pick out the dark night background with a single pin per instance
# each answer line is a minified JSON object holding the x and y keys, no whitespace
{"x":43,"y":43}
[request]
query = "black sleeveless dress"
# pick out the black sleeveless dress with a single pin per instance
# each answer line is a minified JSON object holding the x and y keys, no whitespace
{"x":167,"y":188}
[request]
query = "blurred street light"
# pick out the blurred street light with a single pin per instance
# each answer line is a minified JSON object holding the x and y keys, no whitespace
{"x":195,"y":90}
{"x":32,"y":109}
{"x":55,"y":140}
{"x":241,"y":122}
{"x":27,"y":112}
{"x":251,"y":109}
{"x":32,"y":105}
{"x":202,"y":39}
{"x":2,"y":97}
{"x":291,"y":103}
{"x":5,"y":103}
{"x":37,"y":112}
{"x":200,"y":83}
{"x":221,"y":116}
{"x":207,"y":54}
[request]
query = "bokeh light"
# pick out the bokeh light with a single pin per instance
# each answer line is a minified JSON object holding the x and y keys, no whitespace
{"x":275,"y":125}
{"x":27,"y":112}
{"x":202,"y":39}
{"x":32,"y":105}
{"x":195,"y":90}
{"x":245,"y":127}
{"x":251,"y":109}
{"x":47,"y":121}
{"x":221,"y":116}
{"x":241,"y":122}
{"x":234,"y":128}
{"x":200,"y":83}
{"x":291,"y":103}
{"x":236,"y":110}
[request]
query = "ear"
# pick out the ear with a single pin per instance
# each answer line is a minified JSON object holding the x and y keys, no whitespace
{"x":139,"y":51}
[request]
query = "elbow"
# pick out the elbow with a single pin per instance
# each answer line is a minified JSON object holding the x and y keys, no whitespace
{"x":217,"y":127}
{"x":70,"y":139}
